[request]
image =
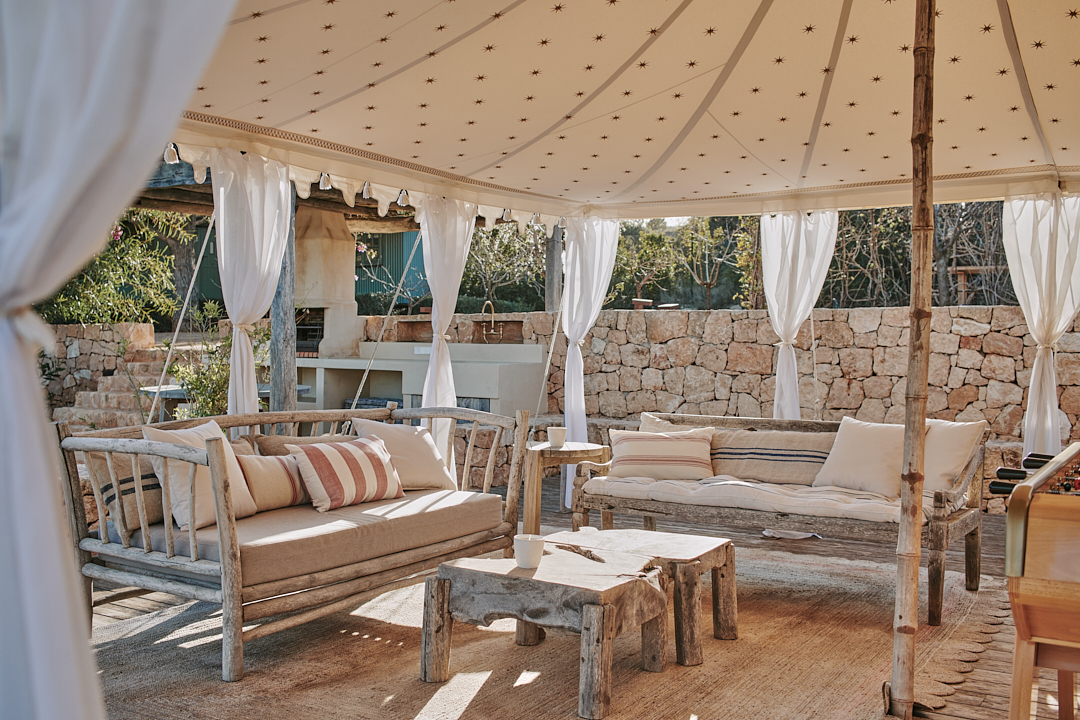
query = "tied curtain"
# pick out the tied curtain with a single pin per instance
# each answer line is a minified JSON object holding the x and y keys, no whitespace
{"x":1041,"y":234}
{"x":591,"y":244}
{"x":447,"y":228}
{"x":253,"y":200}
{"x":90,"y":93}
{"x":796,"y":249}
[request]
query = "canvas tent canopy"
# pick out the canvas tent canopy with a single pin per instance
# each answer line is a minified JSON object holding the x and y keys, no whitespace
{"x":627,"y":109}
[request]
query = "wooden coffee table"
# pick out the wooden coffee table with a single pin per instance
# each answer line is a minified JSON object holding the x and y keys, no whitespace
{"x":683,"y":558}
{"x":597,"y":593}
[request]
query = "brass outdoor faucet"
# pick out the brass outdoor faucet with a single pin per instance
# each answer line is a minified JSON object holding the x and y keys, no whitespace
{"x":491,"y":329}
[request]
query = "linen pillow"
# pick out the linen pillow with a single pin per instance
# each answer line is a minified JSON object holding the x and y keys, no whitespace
{"x":413,"y":452}
{"x":865,"y":456}
{"x":243,"y":445}
{"x":948,"y":445}
{"x":274,"y":481}
{"x":347,"y":473}
{"x":653,"y":424}
{"x":661,"y":456}
{"x":275,"y":444}
{"x":151,"y":490}
{"x":771,"y":456}
{"x":175,"y":472}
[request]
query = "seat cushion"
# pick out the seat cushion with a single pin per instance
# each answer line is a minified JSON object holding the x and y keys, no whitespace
{"x":298,"y":540}
{"x":729,"y":492}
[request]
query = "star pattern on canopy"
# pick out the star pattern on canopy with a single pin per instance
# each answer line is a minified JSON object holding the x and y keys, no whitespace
{"x":638,"y":102}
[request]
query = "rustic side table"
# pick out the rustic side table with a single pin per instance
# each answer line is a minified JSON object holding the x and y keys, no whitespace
{"x":598,"y":594}
{"x":540,"y":455}
{"x":683,"y":559}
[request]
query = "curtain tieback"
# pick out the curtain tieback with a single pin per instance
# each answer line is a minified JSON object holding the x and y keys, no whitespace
{"x":30,"y":328}
{"x":1052,"y":347}
{"x":243,"y":326}
{"x":782,"y":343}
{"x":579,"y":343}
{"x":444,"y":337}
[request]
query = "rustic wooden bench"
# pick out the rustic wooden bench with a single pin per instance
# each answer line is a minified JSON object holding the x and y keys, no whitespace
{"x":940,"y":532}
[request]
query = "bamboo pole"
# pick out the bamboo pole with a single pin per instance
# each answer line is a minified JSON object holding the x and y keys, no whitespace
{"x":906,"y":616}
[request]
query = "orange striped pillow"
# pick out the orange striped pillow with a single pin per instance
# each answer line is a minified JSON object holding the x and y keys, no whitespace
{"x":661,"y":456}
{"x":346,"y":473}
{"x":274,"y":481}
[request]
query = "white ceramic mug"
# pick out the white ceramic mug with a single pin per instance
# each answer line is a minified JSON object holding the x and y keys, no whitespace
{"x":528,"y":549}
{"x":556,"y":436}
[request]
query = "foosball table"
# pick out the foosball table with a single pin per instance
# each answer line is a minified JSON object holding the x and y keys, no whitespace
{"x":1042,"y":564}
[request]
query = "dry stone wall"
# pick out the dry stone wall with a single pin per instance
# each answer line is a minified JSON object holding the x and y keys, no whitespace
{"x":85,"y":353}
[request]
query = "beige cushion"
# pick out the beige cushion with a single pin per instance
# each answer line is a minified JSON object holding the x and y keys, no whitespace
{"x":177,"y":476}
{"x":413,"y":452}
{"x":661,"y":456}
{"x":772,"y":456}
{"x":346,"y":473}
{"x":275,"y":444}
{"x":948,"y":446}
{"x":151,"y":489}
{"x":243,"y":445}
{"x":865,"y":456}
{"x":298,"y":540}
{"x":274,"y":481}
{"x":653,"y":424}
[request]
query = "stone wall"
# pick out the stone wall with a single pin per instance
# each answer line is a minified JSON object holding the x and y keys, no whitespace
{"x":85,"y":353}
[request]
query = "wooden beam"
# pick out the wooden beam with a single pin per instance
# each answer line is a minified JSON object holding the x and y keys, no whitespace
{"x":553,"y":271}
{"x":382,"y":225}
{"x":906,"y":615}
{"x":283,"y":327}
{"x":173,"y":206}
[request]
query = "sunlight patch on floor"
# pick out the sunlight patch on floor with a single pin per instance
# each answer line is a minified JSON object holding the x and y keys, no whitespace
{"x":526,"y":677}
{"x":452,"y":699}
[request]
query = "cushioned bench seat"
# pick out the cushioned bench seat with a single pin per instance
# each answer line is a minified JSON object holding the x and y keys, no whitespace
{"x":299,"y":540}
{"x":727,"y":491}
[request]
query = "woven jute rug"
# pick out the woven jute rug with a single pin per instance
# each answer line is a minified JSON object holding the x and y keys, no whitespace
{"x":815,"y":641}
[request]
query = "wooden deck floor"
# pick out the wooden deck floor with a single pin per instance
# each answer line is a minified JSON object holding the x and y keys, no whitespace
{"x":984,"y":695}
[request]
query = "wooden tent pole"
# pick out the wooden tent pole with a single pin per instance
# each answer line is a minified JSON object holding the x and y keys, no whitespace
{"x":908,"y":546}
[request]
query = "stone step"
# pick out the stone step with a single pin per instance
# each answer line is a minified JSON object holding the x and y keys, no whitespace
{"x":154,"y":354}
{"x":141,"y":368}
{"x":96,"y":419}
{"x":121,"y":383}
{"x":110,"y":400}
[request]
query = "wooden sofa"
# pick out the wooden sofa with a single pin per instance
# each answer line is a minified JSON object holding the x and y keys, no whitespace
{"x":942,"y":529}
{"x":280,"y":568}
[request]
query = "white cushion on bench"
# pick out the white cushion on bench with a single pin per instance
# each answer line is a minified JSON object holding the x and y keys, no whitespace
{"x":726,"y":491}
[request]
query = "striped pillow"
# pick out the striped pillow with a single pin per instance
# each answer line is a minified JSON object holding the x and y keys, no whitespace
{"x":346,"y":473}
{"x":274,"y":481}
{"x":771,"y":456}
{"x":661,"y":456}
{"x":151,"y":490}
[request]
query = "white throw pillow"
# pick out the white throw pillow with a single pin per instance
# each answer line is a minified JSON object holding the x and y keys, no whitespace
{"x":413,"y":452}
{"x":948,"y":445}
{"x":177,"y":476}
{"x":661,"y":456}
{"x":652,"y":424}
{"x":865,"y":456}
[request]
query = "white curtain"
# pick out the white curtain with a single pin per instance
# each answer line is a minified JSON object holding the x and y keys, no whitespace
{"x":796,"y":249}
{"x":253,"y":200}
{"x":447,"y":227}
{"x":591,"y":244}
{"x":1041,"y":234}
{"x":90,"y":92}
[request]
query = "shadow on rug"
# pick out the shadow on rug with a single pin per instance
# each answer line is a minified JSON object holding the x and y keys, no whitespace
{"x":815,"y":641}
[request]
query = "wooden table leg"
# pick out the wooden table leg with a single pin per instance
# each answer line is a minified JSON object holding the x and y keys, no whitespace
{"x":688,"y":614}
{"x":725,"y":606}
{"x":435,"y":636}
{"x":607,"y":520}
{"x":597,"y":639}
{"x":654,"y":643}
{"x":528,"y":634}
{"x":648,"y":522}
{"x":534,"y":475}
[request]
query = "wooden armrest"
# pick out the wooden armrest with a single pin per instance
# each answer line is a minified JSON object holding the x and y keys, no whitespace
{"x":589,"y":465}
